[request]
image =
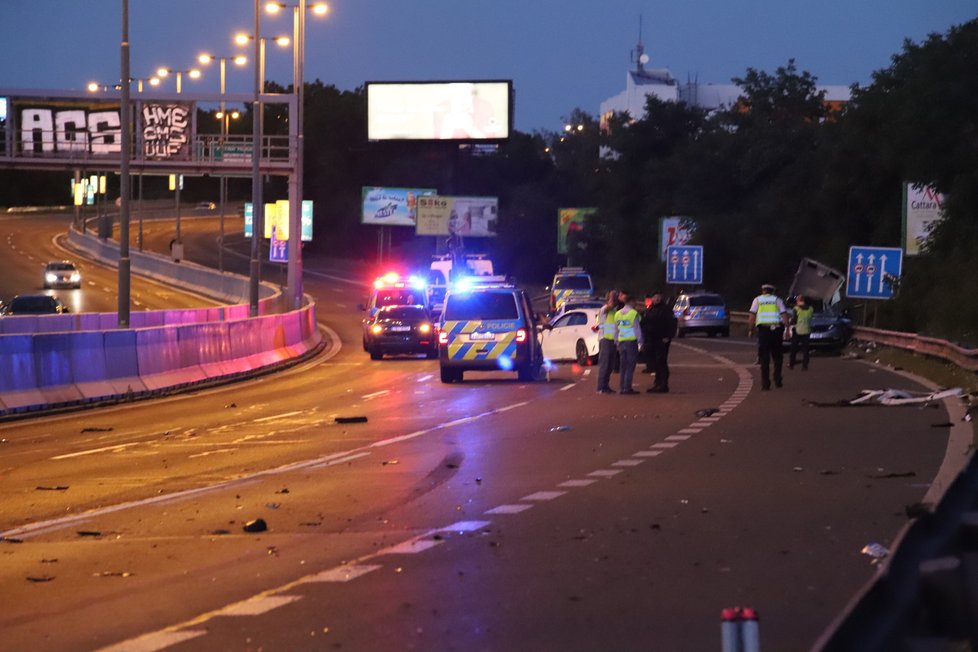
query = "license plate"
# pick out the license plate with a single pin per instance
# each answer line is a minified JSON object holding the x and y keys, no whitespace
{"x":400,"y":329}
{"x":481,"y":337}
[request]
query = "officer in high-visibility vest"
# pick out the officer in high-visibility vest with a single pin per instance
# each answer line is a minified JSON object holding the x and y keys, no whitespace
{"x":629,"y":342}
{"x":768,"y":317}
{"x":801,"y":332}
{"x":606,"y":345}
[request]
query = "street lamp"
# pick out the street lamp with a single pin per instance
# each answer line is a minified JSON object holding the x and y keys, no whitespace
{"x":294,"y":273}
{"x":193,"y":73}
{"x":239,"y":60}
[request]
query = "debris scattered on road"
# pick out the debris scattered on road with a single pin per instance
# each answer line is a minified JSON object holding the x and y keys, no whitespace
{"x":798,"y":469}
{"x":94,"y":429}
{"x":707,"y":412}
{"x":218,"y":532}
{"x":876,"y":551}
{"x":478,"y":480}
{"x":231,"y":405}
{"x":49,"y":561}
{"x":60,"y":487}
{"x":350,"y":419}
{"x":283,"y":490}
{"x":386,"y":462}
{"x":273,"y":505}
{"x":946,"y":424}
{"x":272,"y":551}
{"x":89,"y":533}
{"x":113,"y":574}
{"x":892,"y":397}
{"x":560,"y":429}
{"x":901,"y":474}
{"x":310,"y":523}
{"x":40,"y":578}
{"x":10,"y":540}
{"x":257,"y":525}
{"x":828,"y":472}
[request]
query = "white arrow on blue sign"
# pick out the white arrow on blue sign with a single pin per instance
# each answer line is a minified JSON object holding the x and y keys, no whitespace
{"x":873,"y":272}
{"x":278,"y":250}
{"x":684,"y":264}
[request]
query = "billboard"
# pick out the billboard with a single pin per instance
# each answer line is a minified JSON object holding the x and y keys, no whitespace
{"x":391,"y":206}
{"x":570,"y":227}
{"x":674,"y":231}
{"x":463,"y":216}
{"x":277,"y":218}
{"x":922,"y":207}
{"x":462,"y":111}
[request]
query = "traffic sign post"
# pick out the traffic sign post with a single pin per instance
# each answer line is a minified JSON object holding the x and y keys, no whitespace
{"x":684,"y":264}
{"x":278,"y":250}
{"x":873,"y":272}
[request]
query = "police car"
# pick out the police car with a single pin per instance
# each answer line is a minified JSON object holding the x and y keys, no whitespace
{"x":488,"y":324}
{"x":570,"y":283}
{"x":392,"y":289}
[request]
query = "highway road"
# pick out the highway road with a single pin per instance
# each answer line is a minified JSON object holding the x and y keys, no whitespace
{"x":487,"y":515}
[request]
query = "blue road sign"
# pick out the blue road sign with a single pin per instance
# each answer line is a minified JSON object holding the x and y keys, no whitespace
{"x":873,"y":272}
{"x":684,"y":264}
{"x":278,"y":250}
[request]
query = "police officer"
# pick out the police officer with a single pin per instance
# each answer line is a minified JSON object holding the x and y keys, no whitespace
{"x":801,"y":332}
{"x":606,"y":345}
{"x":658,"y":328}
{"x":768,"y":318}
{"x":629,"y":342}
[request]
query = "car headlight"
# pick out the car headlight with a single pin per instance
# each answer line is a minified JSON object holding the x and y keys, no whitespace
{"x":50,"y":278}
{"x":376,"y":329}
{"x":75,"y":277}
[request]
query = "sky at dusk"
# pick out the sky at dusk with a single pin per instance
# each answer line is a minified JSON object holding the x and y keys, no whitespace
{"x":560,"y":55}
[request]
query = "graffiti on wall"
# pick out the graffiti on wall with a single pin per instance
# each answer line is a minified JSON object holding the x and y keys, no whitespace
{"x":166,"y":131}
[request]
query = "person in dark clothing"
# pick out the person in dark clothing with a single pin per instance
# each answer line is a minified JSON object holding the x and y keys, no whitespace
{"x":659,"y":327}
{"x":646,"y":353}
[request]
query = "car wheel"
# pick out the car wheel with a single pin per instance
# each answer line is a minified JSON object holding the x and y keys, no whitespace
{"x":449,"y":375}
{"x":376,"y":354}
{"x":581,"y":353}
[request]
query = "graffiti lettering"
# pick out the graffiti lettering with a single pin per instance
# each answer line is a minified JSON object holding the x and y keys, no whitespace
{"x":165,"y":130}
{"x":46,"y":131}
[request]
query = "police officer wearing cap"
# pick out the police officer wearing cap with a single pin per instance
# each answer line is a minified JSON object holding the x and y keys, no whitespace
{"x":768,"y":318}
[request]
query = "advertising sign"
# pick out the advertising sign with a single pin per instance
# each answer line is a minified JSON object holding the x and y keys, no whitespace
{"x":921,"y":208}
{"x":463,"y":216}
{"x":570,"y":227}
{"x":874,"y":272}
{"x":277,"y":216}
{"x":392,"y":206}
{"x":463,"y":110}
{"x":674,"y":231}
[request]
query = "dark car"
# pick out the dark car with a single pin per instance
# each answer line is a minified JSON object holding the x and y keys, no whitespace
{"x":36,"y":304}
{"x":61,"y":274}
{"x":830,"y":327}
{"x":400,"y":330}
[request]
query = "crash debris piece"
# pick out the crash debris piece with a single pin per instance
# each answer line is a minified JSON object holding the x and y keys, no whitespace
{"x":257,"y":525}
{"x":350,"y":419}
{"x":877,"y":551}
{"x":892,"y":397}
{"x":707,"y":412}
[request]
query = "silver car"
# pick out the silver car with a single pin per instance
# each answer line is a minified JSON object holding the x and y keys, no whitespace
{"x":704,"y":312}
{"x":61,"y":274}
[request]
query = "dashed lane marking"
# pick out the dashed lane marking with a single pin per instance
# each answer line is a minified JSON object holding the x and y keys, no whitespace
{"x":627,"y":463}
{"x":677,"y":437}
{"x":343,"y":573}
{"x":258,"y":606}
{"x":544,"y":495}
{"x":508,"y":509}
{"x":604,"y":473}
{"x":411,"y":546}
{"x":665,"y":444}
{"x":647,"y":454}
{"x":576,"y":483}
{"x":154,"y":641}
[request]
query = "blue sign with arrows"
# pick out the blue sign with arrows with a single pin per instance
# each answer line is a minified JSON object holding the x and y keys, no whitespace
{"x":684,"y":264}
{"x":873,"y":272}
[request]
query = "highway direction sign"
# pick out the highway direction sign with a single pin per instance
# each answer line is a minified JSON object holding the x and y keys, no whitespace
{"x":684,"y":264}
{"x":873,"y":272}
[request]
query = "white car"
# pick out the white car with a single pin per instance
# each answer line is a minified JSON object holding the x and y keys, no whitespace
{"x":574,"y":335}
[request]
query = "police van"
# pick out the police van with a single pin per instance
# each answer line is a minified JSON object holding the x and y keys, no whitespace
{"x":488,"y":324}
{"x":570,"y":283}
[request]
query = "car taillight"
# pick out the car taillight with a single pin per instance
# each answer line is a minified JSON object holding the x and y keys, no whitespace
{"x":424,"y":328}
{"x":376,"y":329}
{"x":595,"y":329}
{"x":443,"y":337}
{"x":521,"y":336}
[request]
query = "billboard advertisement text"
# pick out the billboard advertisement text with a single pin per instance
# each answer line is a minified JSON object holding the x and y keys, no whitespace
{"x":463,"y":216}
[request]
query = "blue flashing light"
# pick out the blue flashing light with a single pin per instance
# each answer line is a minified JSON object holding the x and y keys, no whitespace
{"x":505,"y":363}
{"x":416,"y":282}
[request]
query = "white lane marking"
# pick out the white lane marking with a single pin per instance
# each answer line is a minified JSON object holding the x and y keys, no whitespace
{"x":689,"y":431}
{"x":665,"y":444}
{"x":411,"y":546}
{"x":259,"y":606}
{"x":426,"y":377}
{"x":464,"y":526}
{"x":92,"y":451}
{"x":627,"y":463}
{"x":708,"y":419}
{"x":647,"y":454}
{"x":544,"y":495}
{"x":677,"y":437}
{"x":508,"y":509}
{"x":604,"y":473}
{"x":339,"y":460}
{"x":277,"y":416}
{"x":155,"y":641}
{"x":576,"y":483}
{"x":587,"y":372}
{"x":566,"y":387}
{"x":214,"y":452}
{"x":376,"y":394}
{"x":440,"y":426}
{"x":343,"y":573}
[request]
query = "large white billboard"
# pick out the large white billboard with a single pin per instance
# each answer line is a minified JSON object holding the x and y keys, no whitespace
{"x":391,"y":206}
{"x":466,"y":110}
{"x":461,"y":216}
{"x":922,"y":206}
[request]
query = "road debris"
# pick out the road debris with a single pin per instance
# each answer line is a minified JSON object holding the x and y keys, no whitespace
{"x":350,"y":419}
{"x":891,"y":397}
{"x":707,"y":412}
{"x":231,"y":405}
{"x":284,"y":490}
{"x":89,"y":533}
{"x":386,"y":462}
{"x":10,"y":540}
{"x":96,"y":429}
{"x":257,"y":525}
{"x":218,"y":532}
{"x":886,"y":476}
{"x":560,"y":429}
{"x":60,"y":487}
{"x":273,"y":505}
{"x":113,"y":574}
{"x":40,"y":578}
{"x":877,"y":551}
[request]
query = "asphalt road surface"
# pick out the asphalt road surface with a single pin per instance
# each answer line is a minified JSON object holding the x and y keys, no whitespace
{"x":486,"y":515}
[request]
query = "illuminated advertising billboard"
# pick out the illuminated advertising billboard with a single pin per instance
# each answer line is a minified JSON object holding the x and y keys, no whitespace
{"x":392,"y":206}
{"x":570,"y":227}
{"x":922,"y":207}
{"x":464,"y":216}
{"x":462,"y":111}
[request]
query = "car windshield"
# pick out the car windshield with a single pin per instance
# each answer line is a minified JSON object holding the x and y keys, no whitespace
{"x":402,"y":312}
{"x":705,"y":300}
{"x":481,"y":306}
{"x":398,"y":297}
{"x":573,"y":283}
{"x":32,"y":304}
{"x":61,"y":267}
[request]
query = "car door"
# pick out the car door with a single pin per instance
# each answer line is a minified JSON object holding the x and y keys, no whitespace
{"x":559,"y":342}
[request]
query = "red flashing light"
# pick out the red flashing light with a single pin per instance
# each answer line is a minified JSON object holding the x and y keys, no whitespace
{"x":521,"y":336}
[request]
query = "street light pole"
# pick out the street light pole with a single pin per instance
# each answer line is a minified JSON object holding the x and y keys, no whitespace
{"x":124,"y":262}
{"x":294,"y":271}
{"x":256,"y":190}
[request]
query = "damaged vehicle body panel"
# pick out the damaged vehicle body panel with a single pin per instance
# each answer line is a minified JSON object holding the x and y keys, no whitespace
{"x":821,"y":285}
